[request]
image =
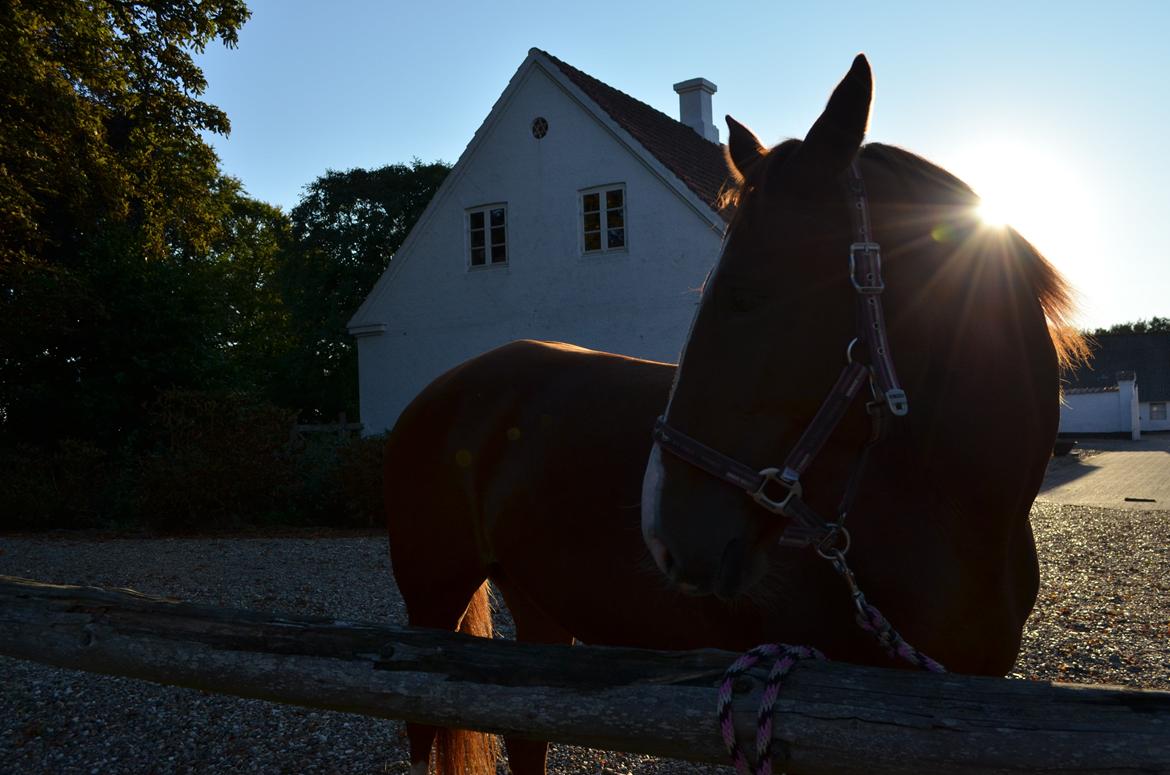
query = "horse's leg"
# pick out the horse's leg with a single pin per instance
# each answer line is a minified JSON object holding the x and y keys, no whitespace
{"x":462,"y":606}
{"x":528,"y":757}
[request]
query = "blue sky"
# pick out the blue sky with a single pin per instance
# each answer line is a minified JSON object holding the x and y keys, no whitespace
{"x":1056,"y":112}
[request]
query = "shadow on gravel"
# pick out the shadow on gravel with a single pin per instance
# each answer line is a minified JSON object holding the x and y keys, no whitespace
{"x":1068,"y":468}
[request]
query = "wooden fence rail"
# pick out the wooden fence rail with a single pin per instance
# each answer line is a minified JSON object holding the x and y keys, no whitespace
{"x":831,"y":717}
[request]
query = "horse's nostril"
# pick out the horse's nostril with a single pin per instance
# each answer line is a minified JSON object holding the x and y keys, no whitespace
{"x":667,"y":562}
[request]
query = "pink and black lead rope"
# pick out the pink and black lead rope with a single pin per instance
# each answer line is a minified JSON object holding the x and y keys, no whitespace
{"x":786,"y":658}
{"x":869,"y":618}
{"x":872,"y":621}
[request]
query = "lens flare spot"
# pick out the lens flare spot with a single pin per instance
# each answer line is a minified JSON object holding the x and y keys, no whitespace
{"x":513,"y":434}
{"x":943,"y":233}
{"x":463,"y":458}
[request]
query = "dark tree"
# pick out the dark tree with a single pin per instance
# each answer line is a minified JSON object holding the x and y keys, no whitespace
{"x":111,"y":207}
{"x":346,"y":228}
{"x":1154,"y":325}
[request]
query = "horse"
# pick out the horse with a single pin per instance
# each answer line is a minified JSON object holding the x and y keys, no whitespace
{"x":524,"y":466}
{"x":532,"y":468}
{"x":977,"y":327}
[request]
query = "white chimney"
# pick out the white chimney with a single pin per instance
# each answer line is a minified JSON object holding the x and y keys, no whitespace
{"x":694,"y":107}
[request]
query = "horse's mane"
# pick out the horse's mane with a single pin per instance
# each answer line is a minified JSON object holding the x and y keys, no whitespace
{"x":1050,"y":287}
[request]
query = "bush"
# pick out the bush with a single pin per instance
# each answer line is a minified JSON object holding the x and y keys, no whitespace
{"x":360,"y":472}
{"x":67,"y":485}
{"x":320,"y":500}
{"x":214,"y":461}
{"x":201,"y":461}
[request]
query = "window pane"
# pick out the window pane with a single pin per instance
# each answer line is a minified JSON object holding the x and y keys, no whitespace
{"x":617,"y":238}
{"x":592,"y":221}
{"x":477,"y":239}
{"x":593,"y":241}
{"x":499,"y":254}
{"x":498,"y":216}
{"x":615,"y":218}
{"x":477,"y":257}
{"x":592,"y":202}
{"x":477,"y":220}
{"x":613,"y":198}
{"x":498,"y":236}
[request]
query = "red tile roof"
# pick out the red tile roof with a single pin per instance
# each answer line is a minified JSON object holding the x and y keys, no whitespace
{"x":698,"y":163}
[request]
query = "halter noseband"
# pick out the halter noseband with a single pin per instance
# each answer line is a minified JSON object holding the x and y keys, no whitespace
{"x":808,"y":528}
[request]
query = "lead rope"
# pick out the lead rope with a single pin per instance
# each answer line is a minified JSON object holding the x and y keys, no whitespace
{"x":787,"y":657}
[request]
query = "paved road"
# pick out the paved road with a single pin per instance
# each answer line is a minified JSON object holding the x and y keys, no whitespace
{"x":1104,"y":472}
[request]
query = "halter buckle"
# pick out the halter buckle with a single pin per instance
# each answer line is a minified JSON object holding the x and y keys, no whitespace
{"x":869,"y":249}
{"x":792,"y":485}
{"x":897,"y":401}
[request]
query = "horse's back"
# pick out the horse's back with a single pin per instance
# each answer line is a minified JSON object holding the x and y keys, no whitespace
{"x":554,"y":381}
{"x":522,"y":421}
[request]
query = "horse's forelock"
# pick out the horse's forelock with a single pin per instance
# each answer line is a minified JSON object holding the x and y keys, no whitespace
{"x":737,"y":186}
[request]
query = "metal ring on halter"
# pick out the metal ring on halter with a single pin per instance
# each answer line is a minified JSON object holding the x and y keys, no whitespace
{"x":827,"y":547}
{"x":849,"y":350}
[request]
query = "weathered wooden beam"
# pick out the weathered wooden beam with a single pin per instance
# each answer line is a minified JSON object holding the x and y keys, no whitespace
{"x":831,"y":717}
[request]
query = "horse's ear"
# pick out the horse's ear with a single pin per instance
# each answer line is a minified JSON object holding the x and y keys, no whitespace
{"x":743,"y":149}
{"x":837,"y":135}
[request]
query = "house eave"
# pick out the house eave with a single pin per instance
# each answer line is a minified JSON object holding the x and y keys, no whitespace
{"x":359,"y":330}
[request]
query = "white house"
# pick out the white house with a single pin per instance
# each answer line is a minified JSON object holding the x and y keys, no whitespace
{"x":1124,"y":389}
{"x":575,"y":214}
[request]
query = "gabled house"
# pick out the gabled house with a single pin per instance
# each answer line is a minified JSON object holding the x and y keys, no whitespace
{"x":1124,"y":388}
{"x":576,"y":214}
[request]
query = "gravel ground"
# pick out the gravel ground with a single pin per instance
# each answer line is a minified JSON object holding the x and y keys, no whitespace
{"x":1103,"y":616}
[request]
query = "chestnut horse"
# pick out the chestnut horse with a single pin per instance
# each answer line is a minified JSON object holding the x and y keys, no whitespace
{"x":524,"y":466}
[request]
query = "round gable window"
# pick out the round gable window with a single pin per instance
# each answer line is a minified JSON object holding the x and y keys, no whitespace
{"x":539,"y":127}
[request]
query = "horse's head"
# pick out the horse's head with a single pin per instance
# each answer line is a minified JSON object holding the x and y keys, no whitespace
{"x":766,"y":345}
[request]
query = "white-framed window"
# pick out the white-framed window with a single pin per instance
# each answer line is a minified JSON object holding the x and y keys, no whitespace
{"x":1157,"y":410}
{"x":603,"y":219}
{"x":487,"y":235}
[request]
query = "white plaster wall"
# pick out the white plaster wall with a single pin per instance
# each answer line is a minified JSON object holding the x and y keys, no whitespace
{"x":638,"y":302}
{"x":1111,"y":412}
{"x":1147,"y":423}
{"x":1090,"y":413}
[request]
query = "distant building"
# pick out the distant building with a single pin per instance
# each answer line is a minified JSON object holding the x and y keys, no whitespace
{"x":1125,"y":387}
{"x":576,"y":213}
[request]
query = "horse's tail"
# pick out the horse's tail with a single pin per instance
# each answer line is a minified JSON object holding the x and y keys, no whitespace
{"x":460,"y":751}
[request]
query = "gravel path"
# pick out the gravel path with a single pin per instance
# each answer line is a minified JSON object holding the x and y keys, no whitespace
{"x":1103,"y":617}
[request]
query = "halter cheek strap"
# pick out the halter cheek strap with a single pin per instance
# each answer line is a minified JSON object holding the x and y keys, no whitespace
{"x":778,"y":489}
{"x":865,"y":272}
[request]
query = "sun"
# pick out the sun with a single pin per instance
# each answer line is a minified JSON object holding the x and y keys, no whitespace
{"x":1040,"y":193}
{"x":993,"y":211}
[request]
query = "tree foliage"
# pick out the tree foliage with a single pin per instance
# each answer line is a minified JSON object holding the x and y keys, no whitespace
{"x":102,"y":120}
{"x":346,"y":228}
{"x":111,"y":204}
{"x":138,"y":282}
{"x":1155,"y":325}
